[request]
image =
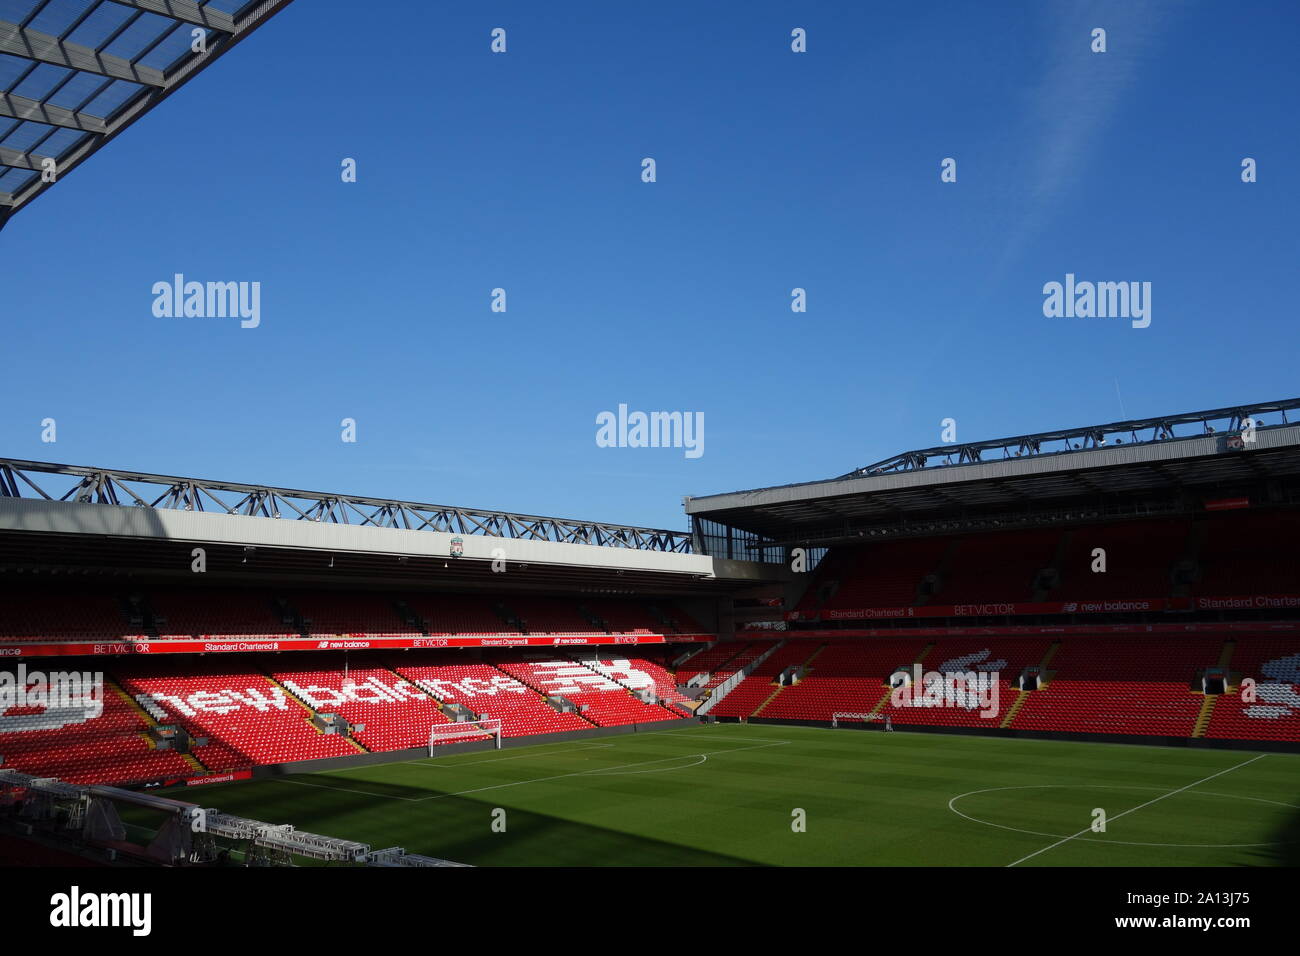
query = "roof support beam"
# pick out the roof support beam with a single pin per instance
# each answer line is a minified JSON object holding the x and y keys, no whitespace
{"x":21,"y":108}
{"x":19,"y":160}
{"x":227,"y":31}
{"x":186,"y":11}
{"x":42,"y":47}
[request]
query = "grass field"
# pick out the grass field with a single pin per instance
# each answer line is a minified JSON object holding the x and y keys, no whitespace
{"x":726,"y":795}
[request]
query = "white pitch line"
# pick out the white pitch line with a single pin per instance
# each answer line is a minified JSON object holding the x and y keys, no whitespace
{"x":598,"y":770}
{"x":1138,"y":807}
{"x":364,"y":793}
{"x":699,"y":759}
{"x":707,"y":733}
{"x":436,"y":763}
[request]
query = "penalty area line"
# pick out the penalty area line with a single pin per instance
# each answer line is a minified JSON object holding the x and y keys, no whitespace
{"x":598,"y":771}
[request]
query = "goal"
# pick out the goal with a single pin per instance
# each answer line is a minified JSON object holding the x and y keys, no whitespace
{"x":464,"y":730}
{"x":837,"y":717}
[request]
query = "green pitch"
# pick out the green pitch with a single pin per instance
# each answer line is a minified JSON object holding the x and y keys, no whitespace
{"x":729,"y":795}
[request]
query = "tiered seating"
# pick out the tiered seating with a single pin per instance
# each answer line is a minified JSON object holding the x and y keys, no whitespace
{"x":219,"y":615}
{"x":679,"y":622}
{"x":1249,"y":553}
{"x":395,"y":713}
{"x":758,"y":686}
{"x":1003,"y":657}
{"x":997,"y":567}
{"x":635,"y":672}
{"x":837,"y":564}
{"x":551,"y":616}
{"x":359,"y":614}
{"x":39,"y":615}
{"x":1125,"y":684}
{"x":487,"y":691}
{"x":737,"y":662}
{"x":248,"y":719}
{"x":1274,"y":663}
{"x":847,"y":676}
{"x":1138,"y":683}
{"x":710,"y":659}
{"x":887,"y":575}
{"x":458,"y":614}
{"x":625,"y":616}
{"x":74,"y":745}
{"x":607,"y":702}
{"x":1139,"y":556}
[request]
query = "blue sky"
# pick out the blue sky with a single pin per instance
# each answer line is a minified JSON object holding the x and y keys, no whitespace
{"x":776,"y":170}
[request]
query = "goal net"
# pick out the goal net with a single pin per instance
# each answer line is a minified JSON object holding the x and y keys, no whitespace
{"x":464,"y":730}
{"x":837,"y":717}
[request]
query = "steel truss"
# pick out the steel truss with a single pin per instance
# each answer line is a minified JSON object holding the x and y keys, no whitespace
{"x":18,"y":479}
{"x":1229,"y":420}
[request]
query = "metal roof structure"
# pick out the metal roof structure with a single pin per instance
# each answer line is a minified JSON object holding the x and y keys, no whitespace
{"x":58,"y":520}
{"x":75,"y":483}
{"x":75,"y":73}
{"x":1164,"y":428}
{"x":1089,"y":476}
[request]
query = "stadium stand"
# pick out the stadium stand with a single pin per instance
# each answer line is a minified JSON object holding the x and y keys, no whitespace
{"x":48,"y":615}
{"x":1004,"y":657}
{"x":1140,"y":556}
{"x":601,"y":699}
{"x":219,"y":615}
{"x":249,"y":713}
{"x":624,"y":616}
{"x":709,"y":659}
{"x":487,"y":691}
{"x":846,"y":676}
{"x":736,"y":663}
{"x":550,"y":616}
{"x":1122,"y":684}
{"x":325,"y":614}
{"x":636,"y":673}
{"x":886,"y":576}
{"x":747,"y":696}
{"x":1274,"y":664}
{"x":996,"y":567}
{"x":1250,"y":554}
{"x":247,"y":718}
{"x":395,"y":713}
{"x":86,"y":744}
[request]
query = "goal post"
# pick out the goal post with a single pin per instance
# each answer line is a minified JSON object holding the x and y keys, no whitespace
{"x":837,"y":717}
{"x":464,"y":730}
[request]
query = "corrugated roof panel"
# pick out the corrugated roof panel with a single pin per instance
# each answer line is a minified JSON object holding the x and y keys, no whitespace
{"x":99,"y":25}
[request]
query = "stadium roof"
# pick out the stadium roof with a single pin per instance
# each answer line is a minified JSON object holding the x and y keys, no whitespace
{"x":73,"y":519}
{"x":1142,"y":466}
{"x":75,"y":73}
{"x":76,"y":483}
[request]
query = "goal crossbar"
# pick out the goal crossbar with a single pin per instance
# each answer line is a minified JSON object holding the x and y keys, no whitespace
{"x":837,"y":717}
{"x":464,"y":730}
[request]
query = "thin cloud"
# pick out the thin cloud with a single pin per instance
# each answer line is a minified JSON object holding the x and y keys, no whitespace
{"x":1071,"y":108}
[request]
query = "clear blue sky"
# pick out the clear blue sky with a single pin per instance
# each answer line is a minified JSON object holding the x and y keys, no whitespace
{"x":776,"y":170}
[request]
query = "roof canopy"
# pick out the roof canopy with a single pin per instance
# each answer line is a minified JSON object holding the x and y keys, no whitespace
{"x":75,"y":73}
